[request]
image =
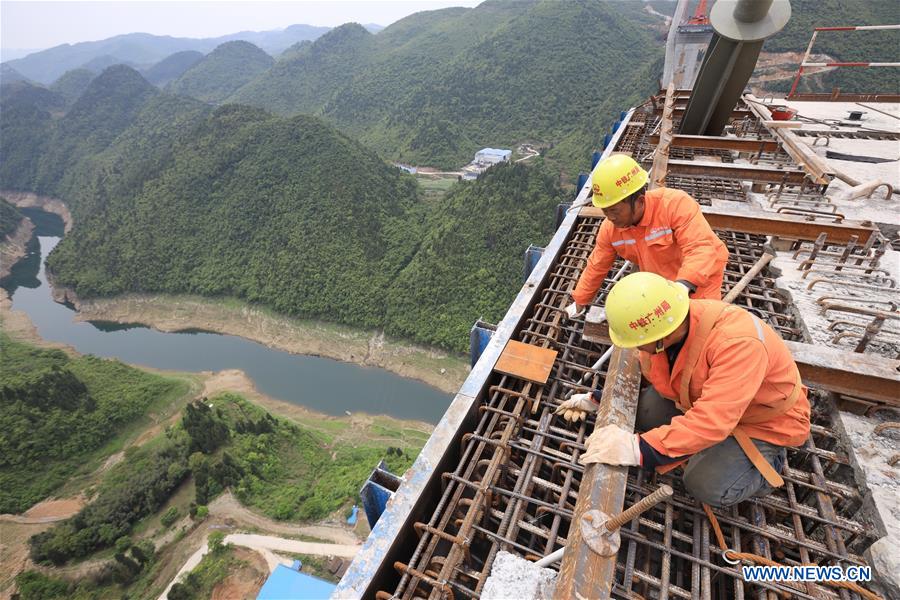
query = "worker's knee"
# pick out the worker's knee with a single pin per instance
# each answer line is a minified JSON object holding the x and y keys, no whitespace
{"x":653,"y":410}
{"x":723,"y":475}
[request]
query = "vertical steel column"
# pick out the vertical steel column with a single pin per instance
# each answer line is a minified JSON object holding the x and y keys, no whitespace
{"x":740,"y":26}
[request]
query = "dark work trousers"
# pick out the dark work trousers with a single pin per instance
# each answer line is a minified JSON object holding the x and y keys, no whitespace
{"x":721,"y":475}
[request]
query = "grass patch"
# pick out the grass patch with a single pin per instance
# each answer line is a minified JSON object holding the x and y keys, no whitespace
{"x":62,"y":416}
{"x":294,"y":472}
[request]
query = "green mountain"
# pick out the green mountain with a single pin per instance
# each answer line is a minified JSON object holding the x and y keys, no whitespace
{"x":434,"y":87}
{"x":469,"y":261}
{"x":171,"y":196}
{"x":10,"y":75}
{"x":48,"y":65}
{"x":171,"y":67}
{"x":224,"y":70}
{"x":73,"y":83}
{"x":104,"y":110}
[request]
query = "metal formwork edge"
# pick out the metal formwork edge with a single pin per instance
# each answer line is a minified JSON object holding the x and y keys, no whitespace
{"x":373,"y":560}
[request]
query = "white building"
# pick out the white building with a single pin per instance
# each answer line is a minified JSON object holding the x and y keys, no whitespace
{"x":492,"y":156}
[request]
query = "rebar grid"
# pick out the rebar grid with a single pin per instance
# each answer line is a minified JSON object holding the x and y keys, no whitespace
{"x":517,"y":482}
{"x":706,"y":189}
{"x":813,"y":519}
{"x":760,"y":296}
{"x":632,"y":138}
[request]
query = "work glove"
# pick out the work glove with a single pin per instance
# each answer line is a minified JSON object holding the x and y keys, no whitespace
{"x":575,"y":310}
{"x":577,"y":407}
{"x":612,"y":445}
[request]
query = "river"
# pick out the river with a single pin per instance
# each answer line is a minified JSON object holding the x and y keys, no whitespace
{"x":321,"y":384}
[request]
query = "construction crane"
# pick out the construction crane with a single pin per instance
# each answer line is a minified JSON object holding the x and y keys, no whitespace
{"x":698,"y":23}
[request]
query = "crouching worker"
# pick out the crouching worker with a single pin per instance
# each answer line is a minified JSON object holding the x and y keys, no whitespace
{"x":661,"y":230}
{"x":724,"y":399}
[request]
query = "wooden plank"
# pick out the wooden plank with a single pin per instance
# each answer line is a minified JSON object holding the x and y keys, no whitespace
{"x":661,"y":154}
{"x":526,"y":362}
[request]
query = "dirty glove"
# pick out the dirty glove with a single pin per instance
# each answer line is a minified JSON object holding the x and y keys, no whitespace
{"x":575,"y":310}
{"x":577,"y":407}
{"x":612,"y":445}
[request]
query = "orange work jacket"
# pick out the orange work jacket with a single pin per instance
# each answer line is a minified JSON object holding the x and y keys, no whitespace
{"x":672,"y":239}
{"x":743,"y":370}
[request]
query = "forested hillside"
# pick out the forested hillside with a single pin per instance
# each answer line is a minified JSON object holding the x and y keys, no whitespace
{"x":436,"y":86}
{"x":55,"y":411}
{"x":72,"y":84}
{"x":469,"y":263}
{"x":171,"y":196}
{"x":171,"y":67}
{"x":221,"y":72}
{"x":10,"y":217}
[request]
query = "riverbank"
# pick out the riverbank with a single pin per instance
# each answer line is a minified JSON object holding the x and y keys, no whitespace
{"x":169,"y":313}
{"x":15,"y":247}
{"x":44,"y":203}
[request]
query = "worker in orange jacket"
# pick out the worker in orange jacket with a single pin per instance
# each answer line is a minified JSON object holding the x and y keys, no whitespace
{"x":661,"y":230}
{"x":725,"y":395}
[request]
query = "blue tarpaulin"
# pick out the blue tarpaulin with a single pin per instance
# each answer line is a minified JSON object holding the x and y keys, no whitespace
{"x":286,"y":584}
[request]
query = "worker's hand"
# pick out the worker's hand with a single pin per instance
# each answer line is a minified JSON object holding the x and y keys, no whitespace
{"x":577,"y":407}
{"x":575,"y":310}
{"x":612,"y":445}
{"x":601,"y":316}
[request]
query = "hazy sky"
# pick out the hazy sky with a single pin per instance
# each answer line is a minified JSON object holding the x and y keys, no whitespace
{"x":45,"y":24}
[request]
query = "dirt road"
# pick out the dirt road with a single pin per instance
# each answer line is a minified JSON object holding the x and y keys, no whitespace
{"x":226,"y":506}
{"x":265,"y":544}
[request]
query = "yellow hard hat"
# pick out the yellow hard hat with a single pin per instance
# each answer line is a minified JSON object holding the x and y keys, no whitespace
{"x":616,"y":177}
{"x":643,"y":308}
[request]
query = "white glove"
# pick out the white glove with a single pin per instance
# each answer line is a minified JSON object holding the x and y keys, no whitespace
{"x":612,"y":445}
{"x":574,"y":311}
{"x":577,"y":407}
{"x":600,"y":316}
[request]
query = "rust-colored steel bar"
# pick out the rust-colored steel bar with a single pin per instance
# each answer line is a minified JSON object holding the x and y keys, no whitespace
{"x":817,"y":168}
{"x":584,"y":573}
{"x":785,"y":226}
{"x":764,"y":260}
{"x":866,"y":376}
{"x":719,"y":143}
{"x":664,"y":492}
{"x":732,"y":171}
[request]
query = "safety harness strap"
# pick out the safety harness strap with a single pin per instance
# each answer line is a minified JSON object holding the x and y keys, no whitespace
{"x":707,"y":322}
